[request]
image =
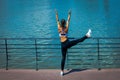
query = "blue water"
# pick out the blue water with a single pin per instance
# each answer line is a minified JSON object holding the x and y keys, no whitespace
{"x":36,"y":19}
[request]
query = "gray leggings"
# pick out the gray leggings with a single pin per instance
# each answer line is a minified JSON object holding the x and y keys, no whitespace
{"x":67,"y":44}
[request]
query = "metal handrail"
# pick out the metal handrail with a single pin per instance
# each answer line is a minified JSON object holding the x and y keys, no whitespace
{"x":98,"y":46}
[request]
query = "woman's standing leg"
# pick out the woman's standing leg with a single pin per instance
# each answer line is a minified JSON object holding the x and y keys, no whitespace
{"x":64,"y":52}
{"x":64,"y":48}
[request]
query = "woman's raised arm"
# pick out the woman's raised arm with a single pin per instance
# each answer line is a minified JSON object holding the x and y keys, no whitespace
{"x":57,"y":19}
{"x":68,"y":20}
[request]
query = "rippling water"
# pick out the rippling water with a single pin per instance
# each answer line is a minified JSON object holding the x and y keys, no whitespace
{"x":36,"y":18}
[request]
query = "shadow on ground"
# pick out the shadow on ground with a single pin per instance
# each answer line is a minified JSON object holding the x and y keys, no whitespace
{"x":74,"y":70}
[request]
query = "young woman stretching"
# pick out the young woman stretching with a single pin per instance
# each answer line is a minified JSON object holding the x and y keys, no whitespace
{"x":65,"y":43}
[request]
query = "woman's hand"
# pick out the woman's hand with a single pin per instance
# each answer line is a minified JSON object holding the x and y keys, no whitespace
{"x":69,"y":12}
{"x":56,"y":12}
{"x":56,"y":15}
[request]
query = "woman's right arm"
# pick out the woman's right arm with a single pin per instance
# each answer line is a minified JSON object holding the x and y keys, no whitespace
{"x":57,"y":19}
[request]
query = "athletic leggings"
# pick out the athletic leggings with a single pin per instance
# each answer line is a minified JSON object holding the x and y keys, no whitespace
{"x":67,"y":44}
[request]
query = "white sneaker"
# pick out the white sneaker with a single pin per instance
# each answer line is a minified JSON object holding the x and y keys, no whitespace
{"x":61,"y":73}
{"x":89,"y":33}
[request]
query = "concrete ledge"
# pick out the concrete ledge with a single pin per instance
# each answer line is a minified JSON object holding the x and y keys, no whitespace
{"x":52,"y":74}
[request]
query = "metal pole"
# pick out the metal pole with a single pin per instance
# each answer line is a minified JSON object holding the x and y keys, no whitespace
{"x":36,"y":54}
{"x":98,"y":54}
{"x":6,"y":54}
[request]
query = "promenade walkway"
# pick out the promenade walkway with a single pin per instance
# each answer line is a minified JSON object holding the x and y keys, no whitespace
{"x":54,"y":74}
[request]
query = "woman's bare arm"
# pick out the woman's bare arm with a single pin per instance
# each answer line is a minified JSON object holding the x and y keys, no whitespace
{"x":57,"y":19}
{"x":68,"y":20}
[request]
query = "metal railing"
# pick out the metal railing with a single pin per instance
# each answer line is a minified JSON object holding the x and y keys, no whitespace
{"x":41,"y":53}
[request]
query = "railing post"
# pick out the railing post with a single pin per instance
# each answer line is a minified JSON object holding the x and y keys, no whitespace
{"x":36,"y":54}
{"x":98,"y":43}
{"x":6,"y":49}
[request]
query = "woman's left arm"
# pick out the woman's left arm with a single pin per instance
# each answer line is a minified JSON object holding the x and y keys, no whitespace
{"x":68,"y":20}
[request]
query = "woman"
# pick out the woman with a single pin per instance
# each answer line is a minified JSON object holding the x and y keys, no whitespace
{"x":65,"y":43}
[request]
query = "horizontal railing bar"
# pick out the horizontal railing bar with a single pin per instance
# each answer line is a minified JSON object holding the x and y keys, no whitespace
{"x":20,"y":56}
{"x":104,"y":44}
{"x":33,"y":48}
{"x":83,"y":47}
{"x":2,"y":44}
{"x":21,"y":53}
{"x":48,"y":44}
{"x":49,"y":56}
{"x":59,"y":48}
{"x":107,"y":59}
{"x":32,"y":44}
{"x":110,"y":44}
{"x":47,"y":52}
{"x":105,"y":64}
{"x":59,"y":44}
{"x":81,"y":63}
{"x":78,"y":44}
{"x":82,"y":54}
{"x":20,"y":44}
{"x":109,"y":47}
{"x":101,"y":58}
{"x":111,"y":55}
{"x":99,"y":43}
{"x":80,"y":59}
{"x":27,"y":38}
{"x":18,"y":48}
{"x":56,"y":52}
{"x":58,"y":38}
{"x":51,"y":44}
{"x":92,"y":64}
{"x":105,"y":38}
{"x":2,"y":48}
{"x":38,"y":55}
{"x":101,"y":50}
{"x":14,"y":52}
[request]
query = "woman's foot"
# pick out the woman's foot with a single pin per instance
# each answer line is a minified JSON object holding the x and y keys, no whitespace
{"x":61,"y":73}
{"x":89,"y":33}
